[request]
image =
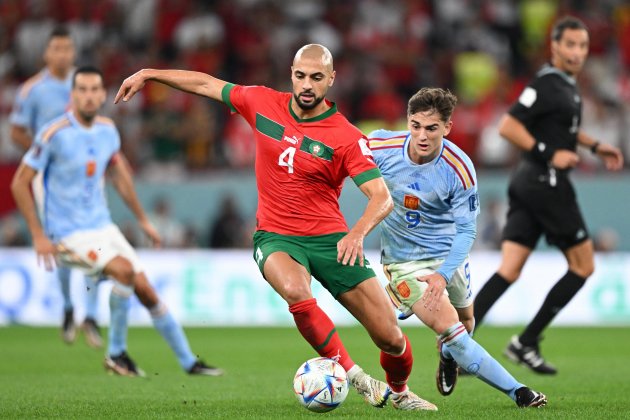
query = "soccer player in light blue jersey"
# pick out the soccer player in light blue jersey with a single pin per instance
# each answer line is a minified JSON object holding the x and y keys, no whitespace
{"x":40,"y":99}
{"x":427,"y":237}
{"x":75,"y":152}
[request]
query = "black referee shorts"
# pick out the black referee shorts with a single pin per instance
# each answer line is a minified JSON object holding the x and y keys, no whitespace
{"x":536,"y":208}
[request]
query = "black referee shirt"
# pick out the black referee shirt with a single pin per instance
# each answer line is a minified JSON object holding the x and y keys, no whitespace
{"x":550,"y":108}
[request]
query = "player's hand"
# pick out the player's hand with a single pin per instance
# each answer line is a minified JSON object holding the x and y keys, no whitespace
{"x":431,"y":296}
{"x":151,"y":232}
{"x":564,"y":159}
{"x":612,"y":157}
{"x":350,"y":248}
{"x":45,"y":251}
{"x":130,"y":86}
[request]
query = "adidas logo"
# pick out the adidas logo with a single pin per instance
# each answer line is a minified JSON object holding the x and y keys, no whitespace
{"x":414,"y":186}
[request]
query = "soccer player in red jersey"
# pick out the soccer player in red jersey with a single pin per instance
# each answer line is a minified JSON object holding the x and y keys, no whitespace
{"x":304,"y":151}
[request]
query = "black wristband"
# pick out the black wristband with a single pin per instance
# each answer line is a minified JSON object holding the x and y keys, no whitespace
{"x":542,"y":152}
{"x":594,"y":147}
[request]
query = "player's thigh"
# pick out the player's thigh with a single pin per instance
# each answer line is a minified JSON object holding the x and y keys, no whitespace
{"x":123,"y":247}
{"x":403,"y":288}
{"x":513,"y":258}
{"x":336,"y":277}
{"x":439,"y":320}
{"x":283,"y":263}
{"x":581,"y":258}
{"x":368,"y":303}
{"x":288,"y":278}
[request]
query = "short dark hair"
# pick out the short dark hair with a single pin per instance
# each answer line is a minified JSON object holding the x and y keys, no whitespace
{"x":566,"y":22}
{"x":59,"y":32}
{"x":426,"y":99}
{"x":86,"y":70}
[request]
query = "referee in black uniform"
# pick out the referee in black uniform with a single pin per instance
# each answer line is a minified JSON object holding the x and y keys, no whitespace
{"x":545,"y":124}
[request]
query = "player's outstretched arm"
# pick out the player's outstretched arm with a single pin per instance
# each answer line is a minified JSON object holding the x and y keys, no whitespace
{"x":188,"y":81}
{"x":380,"y":204}
{"x":120,"y":172}
{"x":20,"y":187}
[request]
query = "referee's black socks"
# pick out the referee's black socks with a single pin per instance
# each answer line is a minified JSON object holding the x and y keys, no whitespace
{"x":488,"y":295}
{"x":557,"y":298}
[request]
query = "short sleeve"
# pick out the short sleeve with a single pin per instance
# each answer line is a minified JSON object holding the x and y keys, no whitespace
{"x":534,"y":100}
{"x":359,"y":161}
{"x":23,"y":112}
{"x":38,"y":156}
{"x":465,"y":201}
{"x":243,"y":99}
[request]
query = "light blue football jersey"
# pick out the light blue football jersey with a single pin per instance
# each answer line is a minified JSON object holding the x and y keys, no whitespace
{"x":41,"y":99}
{"x":429,"y":199}
{"x":73,"y":159}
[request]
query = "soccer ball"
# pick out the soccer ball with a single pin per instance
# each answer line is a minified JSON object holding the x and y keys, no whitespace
{"x":320,"y":384}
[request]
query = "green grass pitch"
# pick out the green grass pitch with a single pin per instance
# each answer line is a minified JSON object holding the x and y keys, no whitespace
{"x":41,"y":377}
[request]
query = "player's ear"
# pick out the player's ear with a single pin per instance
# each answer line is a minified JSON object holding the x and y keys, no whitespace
{"x":447,"y":127}
{"x":332,"y":78}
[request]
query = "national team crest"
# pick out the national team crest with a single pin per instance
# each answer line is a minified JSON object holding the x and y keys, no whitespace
{"x":92,"y":255}
{"x":316,"y":149}
{"x":403,"y":289}
{"x":411,"y":202}
{"x":90,"y":168}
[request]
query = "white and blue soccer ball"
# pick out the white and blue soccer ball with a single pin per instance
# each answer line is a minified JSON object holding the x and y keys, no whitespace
{"x":320,"y":384}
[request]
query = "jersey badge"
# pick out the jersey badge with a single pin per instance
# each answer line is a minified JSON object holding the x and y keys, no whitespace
{"x":528,"y":97}
{"x":411,"y":202}
{"x":473,"y":202}
{"x":90,"y":168}
{"x":92,"y":255}
{"x":403,"y":289}
{"x":317,"y":149}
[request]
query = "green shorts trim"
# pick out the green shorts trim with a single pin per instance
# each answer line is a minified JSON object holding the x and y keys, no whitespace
{"x":318,"y":254}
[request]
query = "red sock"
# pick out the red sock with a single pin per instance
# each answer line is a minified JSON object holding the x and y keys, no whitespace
{"x":320,"y":332}
{"x":398,"y":368}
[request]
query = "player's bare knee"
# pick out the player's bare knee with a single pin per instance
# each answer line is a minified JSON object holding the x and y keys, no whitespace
{"x":123,"y":272}
{"x":510,"y":274}
{"x":584,"y":269}
{"x":294,"y":293}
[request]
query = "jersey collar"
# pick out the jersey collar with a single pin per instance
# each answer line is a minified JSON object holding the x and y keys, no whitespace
{"x":328,"y":113}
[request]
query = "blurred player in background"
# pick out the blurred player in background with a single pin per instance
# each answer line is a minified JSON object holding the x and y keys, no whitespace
{"x":304,"y":151}
{"x":545,"y":124}
{"x":426,"y":239}
{"x":40,"y":99}
{"x":74,"y":152}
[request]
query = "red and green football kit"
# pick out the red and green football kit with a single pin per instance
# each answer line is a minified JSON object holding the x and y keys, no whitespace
{"x":301,"y":164}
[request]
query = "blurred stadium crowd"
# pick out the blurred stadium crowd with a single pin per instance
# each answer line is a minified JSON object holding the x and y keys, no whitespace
{"x":483,"y":50}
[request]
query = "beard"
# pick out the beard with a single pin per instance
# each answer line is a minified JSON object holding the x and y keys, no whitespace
{"x":307,"y":107}
{"x":88,"y":116}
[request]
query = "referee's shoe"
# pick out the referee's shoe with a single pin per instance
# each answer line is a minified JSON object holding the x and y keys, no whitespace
{"x":528,"y":356}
